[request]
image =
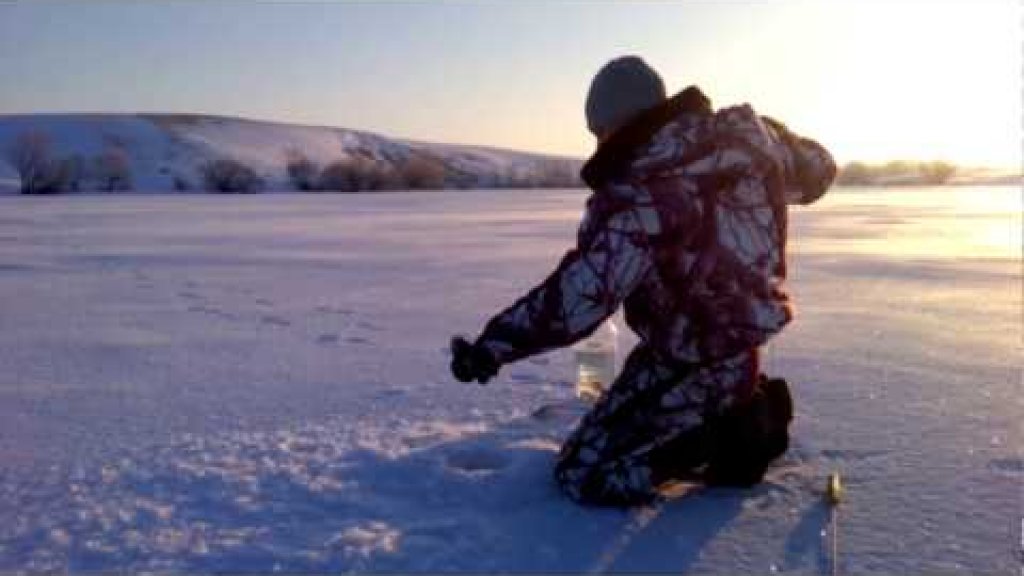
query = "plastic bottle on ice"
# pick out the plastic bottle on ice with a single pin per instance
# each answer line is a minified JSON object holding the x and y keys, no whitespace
{"x":595,"y":362}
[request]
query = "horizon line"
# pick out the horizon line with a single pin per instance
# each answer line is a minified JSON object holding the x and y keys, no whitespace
{"x":426,"y":141}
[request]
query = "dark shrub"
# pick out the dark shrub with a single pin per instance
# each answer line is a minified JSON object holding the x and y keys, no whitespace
{"x":230,"y":176}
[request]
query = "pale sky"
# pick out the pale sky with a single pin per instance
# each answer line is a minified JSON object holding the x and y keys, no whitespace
{"x":872,"y":80}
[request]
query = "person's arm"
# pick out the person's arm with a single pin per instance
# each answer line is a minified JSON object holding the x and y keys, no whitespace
{"x":809,"y":167}
{"x":747,"y":143}
{"x":612,"y":256}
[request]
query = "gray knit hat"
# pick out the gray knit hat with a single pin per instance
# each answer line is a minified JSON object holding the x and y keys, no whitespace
{"x":621,"y":89}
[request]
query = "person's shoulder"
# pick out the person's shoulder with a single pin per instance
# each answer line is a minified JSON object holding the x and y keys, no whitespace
{"x":741,"y":110}
{"x":742,"y":126}
{"x":741,"y":116}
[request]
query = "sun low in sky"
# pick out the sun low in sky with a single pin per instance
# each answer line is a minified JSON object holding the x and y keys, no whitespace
{"x":873,"y":80}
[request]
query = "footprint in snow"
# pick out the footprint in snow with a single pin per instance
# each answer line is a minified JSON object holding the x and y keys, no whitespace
{"x":525,"y":378}
{"x":852,"y":454}
{"x":1007,"y":465}
{"x":559,"y":411}
{"x":389,"y":393}
{"x":274,"y":320}
{"x":327,"y":339}
{"x":325,"y":309}
{"x":476,"y":460}
{"x":211,"y":311}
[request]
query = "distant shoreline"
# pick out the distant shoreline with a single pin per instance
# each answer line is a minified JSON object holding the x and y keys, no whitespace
{"x":9,"y":192}
{"x":174,"y":153}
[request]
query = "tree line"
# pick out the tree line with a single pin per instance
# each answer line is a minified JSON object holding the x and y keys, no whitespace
{"x":859,"y":173}
{"x":41,"y":171}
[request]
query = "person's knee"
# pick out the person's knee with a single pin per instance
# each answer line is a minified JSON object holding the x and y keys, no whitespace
{"x":594,"y":486}
{"x":570,"y":479}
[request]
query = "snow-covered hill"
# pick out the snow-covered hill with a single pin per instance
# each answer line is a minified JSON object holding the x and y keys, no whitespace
{"x":167,"y":152}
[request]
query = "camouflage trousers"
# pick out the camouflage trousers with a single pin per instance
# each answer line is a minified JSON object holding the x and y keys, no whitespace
{"x":648,"y":420}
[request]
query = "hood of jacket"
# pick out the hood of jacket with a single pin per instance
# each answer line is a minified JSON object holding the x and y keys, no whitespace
{"x":615,"y":156}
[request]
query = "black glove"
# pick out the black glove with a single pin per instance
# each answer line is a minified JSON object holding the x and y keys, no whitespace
{"x":472,"y":362}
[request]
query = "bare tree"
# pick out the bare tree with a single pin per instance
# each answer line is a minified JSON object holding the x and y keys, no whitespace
{"x":854,"y":173}
{"x":520,"y":177}
{"x":386,"y":178}
{"x":302,"y":171}
{"x":181,"y":183}
{"x":338,"y":176}
{"x":937,"y":172}
{"x":113,"y":170}
{"x":73,"y":171}
{"x":229,"y":175}
{"x":422,"y":172}
{"x":356,"y":174}
{"x":372,"y":175}
{"x":30,"y":156}
{"x":557,"y":174}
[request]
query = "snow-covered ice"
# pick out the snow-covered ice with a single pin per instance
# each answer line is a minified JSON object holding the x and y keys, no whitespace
{"x":259,"y":383}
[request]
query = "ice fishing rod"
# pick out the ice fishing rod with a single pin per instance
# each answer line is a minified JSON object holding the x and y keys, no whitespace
{"x":833,"y":496}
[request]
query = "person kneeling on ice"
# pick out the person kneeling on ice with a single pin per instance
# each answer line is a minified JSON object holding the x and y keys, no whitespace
{"x":686,"y":227}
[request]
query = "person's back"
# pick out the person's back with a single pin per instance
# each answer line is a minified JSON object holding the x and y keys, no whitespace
{"x":687,"y":228}
{"x":709,"y":191}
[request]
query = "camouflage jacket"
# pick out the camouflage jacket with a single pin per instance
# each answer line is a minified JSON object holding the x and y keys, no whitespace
{"x":687,"y":227}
